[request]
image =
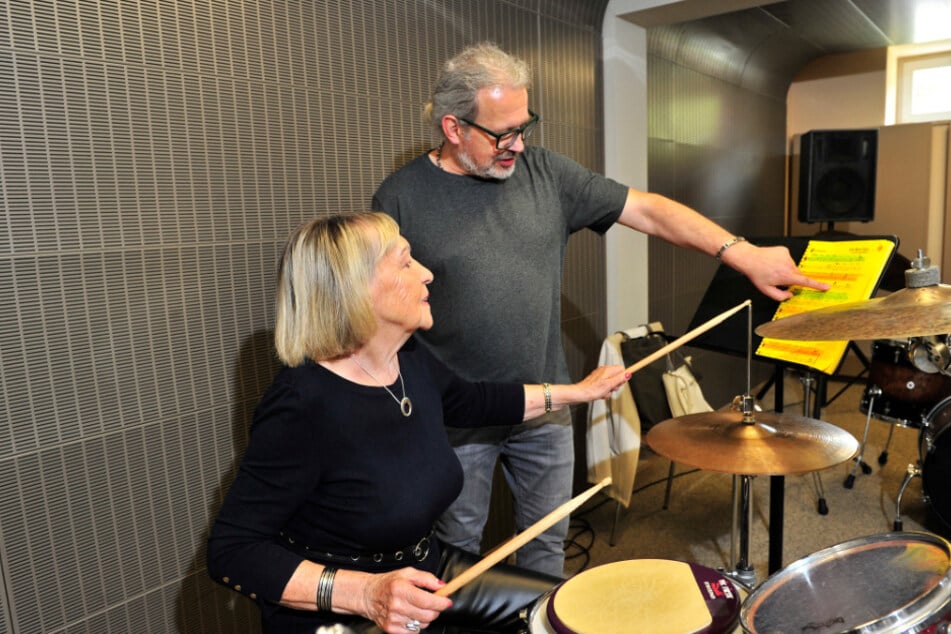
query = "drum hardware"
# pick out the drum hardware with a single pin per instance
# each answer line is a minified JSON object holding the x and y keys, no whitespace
{"x":913,"y":471}
{"x":874,"y":392}
{"x":807,"y":379}
{"x":930,"y":355}
{"x":921,"y":309}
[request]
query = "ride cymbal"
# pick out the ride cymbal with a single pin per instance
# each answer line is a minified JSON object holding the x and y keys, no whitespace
{"x":772,"y":444}
{"x":910,"y":312}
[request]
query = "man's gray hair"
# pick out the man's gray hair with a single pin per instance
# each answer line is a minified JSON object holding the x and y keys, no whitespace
{"x":476,"y":67}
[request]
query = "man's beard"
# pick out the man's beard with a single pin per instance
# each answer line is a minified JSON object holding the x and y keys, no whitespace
{"x":490,"y":170}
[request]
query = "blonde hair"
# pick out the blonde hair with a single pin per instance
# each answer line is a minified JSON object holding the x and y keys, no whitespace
{"x":474,"y":68}
{"x":323,"y":301}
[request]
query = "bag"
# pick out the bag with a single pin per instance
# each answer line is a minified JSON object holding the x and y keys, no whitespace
{"x":647,"y":384}
{"x":684,"y":395}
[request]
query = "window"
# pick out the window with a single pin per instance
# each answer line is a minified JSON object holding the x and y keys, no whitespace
{"x":919,"y":83}
{"x":924,"y":88}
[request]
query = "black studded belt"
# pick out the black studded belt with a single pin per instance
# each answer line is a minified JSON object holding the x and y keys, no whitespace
{"x":413,"y":553}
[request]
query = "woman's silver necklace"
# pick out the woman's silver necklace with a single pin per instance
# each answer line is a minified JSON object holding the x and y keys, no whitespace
{"x":406,"y":405}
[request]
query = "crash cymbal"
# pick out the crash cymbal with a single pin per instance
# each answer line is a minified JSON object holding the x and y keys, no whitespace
{"x":772,"y":444}
{"x":910,"y":312}
{"x":921,"y":309}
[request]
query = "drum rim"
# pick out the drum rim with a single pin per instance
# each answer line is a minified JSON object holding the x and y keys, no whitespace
{"x":930,"y":606}
{"x":540,"y":605}
{"x":939,"y":405}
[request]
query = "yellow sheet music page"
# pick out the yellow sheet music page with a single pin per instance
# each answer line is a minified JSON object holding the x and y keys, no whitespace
{"x":852,"y":268}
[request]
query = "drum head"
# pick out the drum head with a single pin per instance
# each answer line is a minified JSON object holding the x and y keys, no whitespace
{"x":889,"y":583}
{"x":645,"y":595}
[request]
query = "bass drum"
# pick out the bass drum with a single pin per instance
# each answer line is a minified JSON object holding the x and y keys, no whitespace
{"x":934,"y":447}
{"x":892,"y":583}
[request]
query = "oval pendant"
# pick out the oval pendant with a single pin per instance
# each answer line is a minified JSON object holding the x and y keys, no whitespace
{"x":406,"y":406}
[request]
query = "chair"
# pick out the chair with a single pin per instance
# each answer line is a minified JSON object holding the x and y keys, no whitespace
{"x":664,"y":389}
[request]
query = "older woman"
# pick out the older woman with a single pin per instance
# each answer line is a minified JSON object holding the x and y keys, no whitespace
{"x":330,"y":517}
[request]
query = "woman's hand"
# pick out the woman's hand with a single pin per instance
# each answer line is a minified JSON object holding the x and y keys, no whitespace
{"x":394,"y":599}
{"x":599,"y":384}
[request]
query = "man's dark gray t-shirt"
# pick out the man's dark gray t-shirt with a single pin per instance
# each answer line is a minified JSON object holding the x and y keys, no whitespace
{"x":496,"y":249}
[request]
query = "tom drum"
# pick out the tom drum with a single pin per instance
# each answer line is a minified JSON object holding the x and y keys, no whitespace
{"x":888,"y":584}
{"x":907,"y":393}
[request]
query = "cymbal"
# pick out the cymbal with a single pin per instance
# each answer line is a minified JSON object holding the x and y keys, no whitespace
{"x":772,"y":444}
{"x":909,"y":312}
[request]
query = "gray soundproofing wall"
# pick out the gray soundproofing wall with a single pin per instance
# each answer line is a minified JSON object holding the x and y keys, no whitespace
{"x":717,"y":142}
{"x":153,"y":157}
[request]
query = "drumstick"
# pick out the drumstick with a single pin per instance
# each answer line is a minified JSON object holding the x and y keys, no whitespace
{"x":507,"y":548}
{"x":696,"y":332}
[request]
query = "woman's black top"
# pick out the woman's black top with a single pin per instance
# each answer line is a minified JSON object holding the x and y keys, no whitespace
{"x":334,"y":467}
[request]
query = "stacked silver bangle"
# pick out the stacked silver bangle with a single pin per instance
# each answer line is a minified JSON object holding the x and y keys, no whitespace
{"x":325,"y":588}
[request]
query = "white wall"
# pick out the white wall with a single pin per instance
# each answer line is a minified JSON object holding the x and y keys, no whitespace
{"x":838,"y":92}
{"x":625,"y":146}
{"x":625,"y":143}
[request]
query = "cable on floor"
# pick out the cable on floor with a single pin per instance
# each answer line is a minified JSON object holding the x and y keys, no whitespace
{"x":580,"y":529}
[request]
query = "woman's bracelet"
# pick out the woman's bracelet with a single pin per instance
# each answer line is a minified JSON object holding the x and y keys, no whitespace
{"x":325,"y":589}
{"x":727,"y":245}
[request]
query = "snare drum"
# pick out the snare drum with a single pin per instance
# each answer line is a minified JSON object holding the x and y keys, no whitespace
{"x":887,"y":584}
{"x":640,"y":595}
{"x":907,"y":392}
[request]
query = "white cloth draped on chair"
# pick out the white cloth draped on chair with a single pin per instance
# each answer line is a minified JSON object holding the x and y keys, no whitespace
{"x":614,"y":428}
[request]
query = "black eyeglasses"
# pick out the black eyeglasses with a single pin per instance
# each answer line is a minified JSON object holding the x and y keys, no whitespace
{"x":506,"y":139}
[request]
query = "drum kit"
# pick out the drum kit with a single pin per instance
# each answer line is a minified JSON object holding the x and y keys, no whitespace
{"x":889,"y":583}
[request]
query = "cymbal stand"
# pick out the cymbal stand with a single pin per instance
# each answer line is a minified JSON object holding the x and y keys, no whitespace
{"x":913,"y":471}
{"x":807,"y":379}
{"x":743,"y":572}
{"x":859,"y":460}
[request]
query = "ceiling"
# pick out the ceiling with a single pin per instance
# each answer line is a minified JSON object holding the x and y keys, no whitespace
{"x":831,"y":26}
{"x":764,"y":43}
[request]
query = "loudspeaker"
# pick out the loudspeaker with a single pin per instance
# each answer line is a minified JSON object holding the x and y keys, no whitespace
{"x":837,"y":175}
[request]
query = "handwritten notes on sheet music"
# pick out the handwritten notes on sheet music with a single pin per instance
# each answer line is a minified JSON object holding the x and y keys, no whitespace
{"x":852,"y":268}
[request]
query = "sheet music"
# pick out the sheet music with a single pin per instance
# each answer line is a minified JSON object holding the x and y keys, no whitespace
{"x":852,"y":268}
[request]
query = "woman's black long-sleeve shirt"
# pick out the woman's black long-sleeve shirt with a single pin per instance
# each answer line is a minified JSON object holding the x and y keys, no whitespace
{"x":335,"y":465}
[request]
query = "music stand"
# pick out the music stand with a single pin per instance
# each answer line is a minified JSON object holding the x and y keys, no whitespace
{"x":728,"y":288}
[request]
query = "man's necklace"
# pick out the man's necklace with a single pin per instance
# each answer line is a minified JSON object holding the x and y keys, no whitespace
{"x":439,"y":156}
{"x":406,"y":405}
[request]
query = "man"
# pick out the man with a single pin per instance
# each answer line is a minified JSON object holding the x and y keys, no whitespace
{"x":491,"y":218}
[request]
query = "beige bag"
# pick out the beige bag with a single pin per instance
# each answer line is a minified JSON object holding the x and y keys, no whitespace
{"x":683,"y":392}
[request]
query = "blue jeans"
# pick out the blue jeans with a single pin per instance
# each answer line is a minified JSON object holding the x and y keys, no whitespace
{"x":538,"y":464}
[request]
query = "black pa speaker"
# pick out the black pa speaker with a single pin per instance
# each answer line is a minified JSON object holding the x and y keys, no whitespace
{"x":837,"y":175}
